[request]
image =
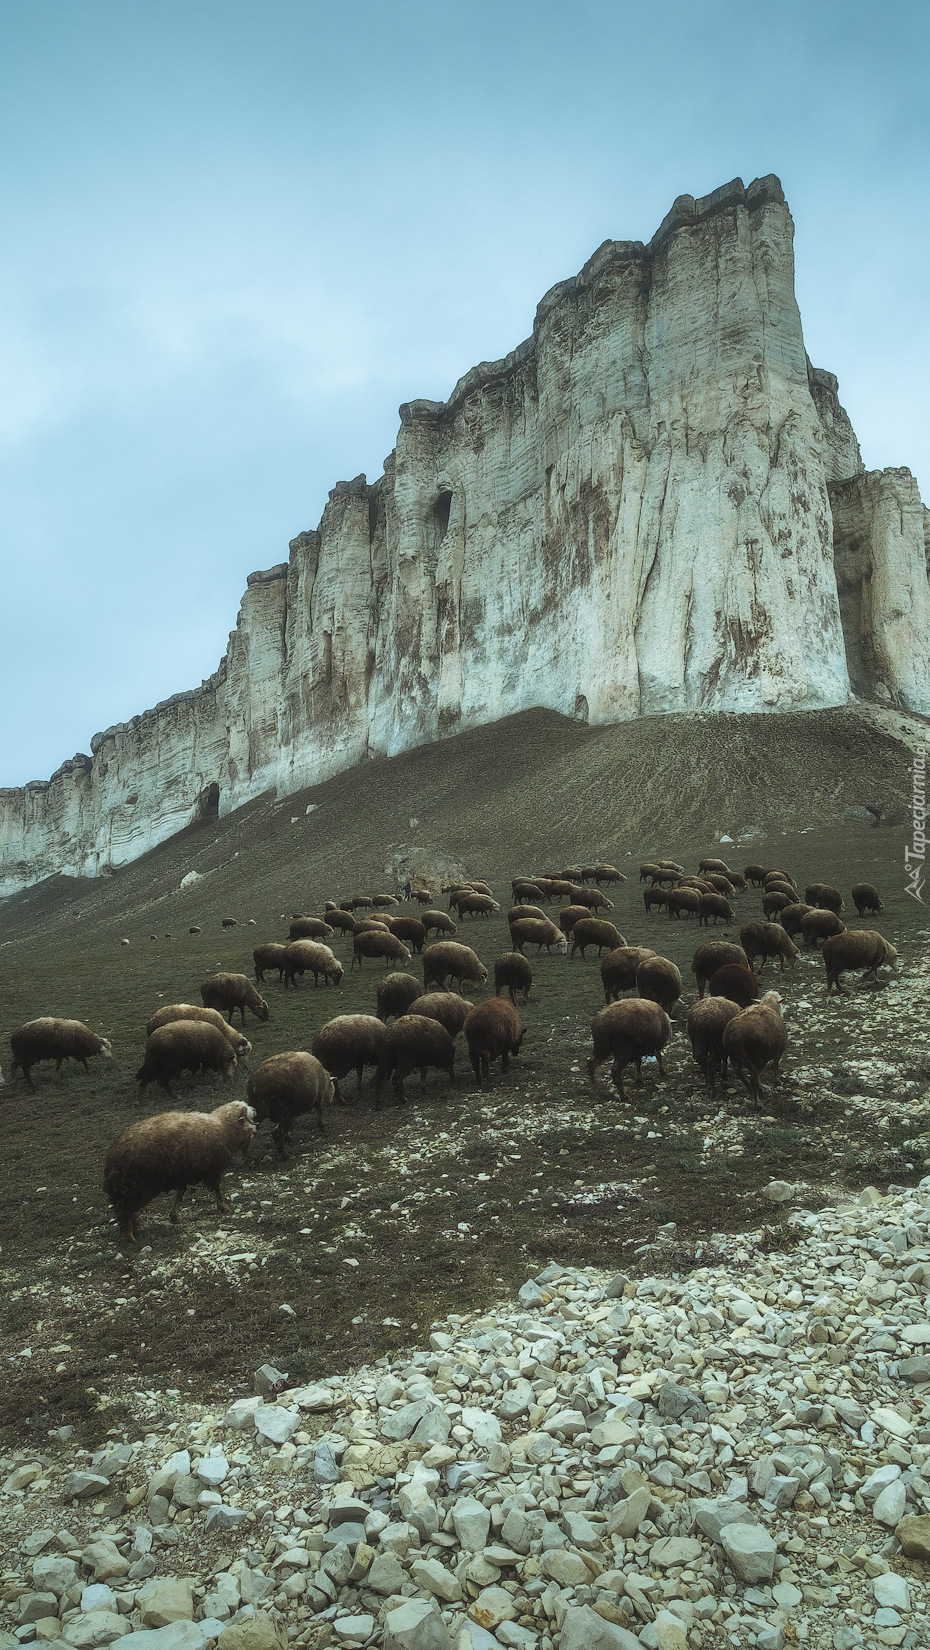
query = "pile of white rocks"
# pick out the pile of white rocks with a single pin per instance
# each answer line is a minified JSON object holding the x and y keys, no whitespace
{"x":734,"y":1454}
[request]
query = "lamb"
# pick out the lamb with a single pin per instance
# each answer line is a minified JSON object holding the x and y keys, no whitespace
{"x":715,"y":954}
{"x":184,"y":1045}
{"x":448,"y":960}
{"x":285,"y":1087}
{"x":716,"y":906}
{"x":240,"y":1045}
{"x":618,"y":969}
{"x":594,"y":931}
{"x":820,"y":925}
{"x":627,"y":1032}
{"x":310,"y":928}
{"x":52,"y":1039}
{"x":269,"y":956}
{"x":371,"y":942}
{"x":861,"y":948}
{"x":735,"y":982}
{"x":474,"y":904}
{"x":792,"y":916}
{"x":767,"y":939}
{"x":493,"y":1031}
{"x":411,"y":931}
{"x":530,"y":931}
{"x":350,"y":1042}
{"x":824,"y":896}
{"x":168,"y":1153}
{"x":438,"y":922}
{"x":593,"y":899}
{"x":447,"y":1007}
{"x":707,"y":1020}
{"x":568,"y":916}
{"x":865,"y":898}
{"x":414,"y":1043}
{"x":395,"y":994}
{"x":512,"y":973}
{"x":309,"y":956}
{"x":754,"y":1039}
{"x":659,"y":981}
{"x":227,"y":992}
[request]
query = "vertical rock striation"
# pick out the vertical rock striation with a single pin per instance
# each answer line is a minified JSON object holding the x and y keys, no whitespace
{"x":653,"y":504}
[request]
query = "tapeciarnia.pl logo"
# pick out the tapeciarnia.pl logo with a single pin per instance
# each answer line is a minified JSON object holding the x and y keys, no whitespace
{"x":916,"y":854}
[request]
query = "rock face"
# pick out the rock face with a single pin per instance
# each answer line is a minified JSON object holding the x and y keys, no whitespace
{"x":653,"y":504}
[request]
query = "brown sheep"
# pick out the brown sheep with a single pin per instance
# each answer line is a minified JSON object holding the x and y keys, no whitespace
{"x":648,"y":870}
{"x":666,"y":875}
{"x":52,"y":1039}
{"x":411,"y":931}
{"x":448,"y":960}
{"x":421,"y":895}
{"x":791,"y":916}
{"x":380,"y":922}
{"x":560,"y":888}
{"x":454,"y":889}
{"x":671,"y":865}
{"x":285,"y":1087}
{"x":240,"y":1045}
{"x":754,"y":1039}
{"x":767,"y":939}
{"x":342,"y":920}
{"x":438,"y":922}
{"x":686,"y":900}
{"x":530,"y":931}
{"x":715,"y":954}
{"x":518,"y":912}
{"x":865,"y":898}
{"x":774,"y":902}
{"x":707,"y":1020}
{"x":595,"y":931}
{"x":395,"y":994}
{"x":821,"y":925}
{"x":383,"y":902}
{"x":607,"y":873}
{"x":184,"y":1045}
{"x":447,"y":1007}
{"x":310,"y":928}
{"x":824,"y":896}
{"x":370,"y":942}
{"x":512,"y":973}
{"x":230,"y":922}
{"x":721,"y":884}
{"x":618,"y":969}
{"x":493,"y":1031}
{"x":474,"y":904}
{"x":568,"y":916}
{"x":778,"y":885}
{"x":593,"y":899}
{"x":269,"y":956}
{"x":310,"y":957}
{"x":654,"y":896}
{"x":350,"y":1042}
{"x":861,"y":948}
{"x":414,"y":1043}
{"x":168,"y":1153}
{"x":227,"y":992}
{"x":738,"y":881}
{"x":714,"y":865}
{"x":778,"y":875}
{"x":736,"y":982}
{"x":659,"y":981}
{"x":716,"y":906}
{"x":702,"y":884}
{"x":481,"y":888}
{"x":360,"y":902}
{"x":756,"y":874}
{"x":524,"y":892}
{"x":627,"y":1032}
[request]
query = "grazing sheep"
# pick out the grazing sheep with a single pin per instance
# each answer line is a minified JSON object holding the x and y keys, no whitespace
{"x":447,"y":1007}
{"x":686,"y":900}
{"x":227,"y":992}
{"x":269,"y":956}
{"x":481,"y":888}
{"x":824,"y":896}
{"x":395,"y":994}
{"x":310,"y":928}
{"x":778,"y":875}
{"x":448,"y":960}
{"x":360,"y":902}
{"x":168,"y":1153}
{"x":438,"y":922}
{"x":414,"y":1043}
{"x":421,"y":895}
{"x":715,"y":954}
{"x":194,"y":930}
{"x":593,"y":899}
{"x":184,"y":1045}
{"x":530,"y":931}
{"x":285,"y":1087}
{"x":714,"y":865}
{"x":350,"y":1042}
{"x":493,"y":1031}
{"x":342,"y":920}
{"x":372,"y":942}
{"x":774,"y":902}
{"x":627,"y":1032}
{"x":754,"y":1039}
{"x":778,"y":885}
{"x":707,"y":1020}
{"x":309,"y":957}
{"x":607,"y":873}
{"x":865,"y":898}
{"x":568,"y":916}
{"x":230,"y":922}
{"x":381,"y":923}
{"x":618,"y":969}
{"x":670,"y":865}
{"x":654,"y":896}
{"x":738,"y":880}
{"x":659,"y":981}
{"x":518,"y":912}
{"x":474,"y":904}
{"x":721,"y":884}
{"x":648,"y":870}
{"x":383,"y":902}
{"x":716,"y":906}
{"x":52,"y":1039}
{"x":767,"y":939}
{"x":666,"y":874}
{"x":595,"y":931}
{"x":756,"y":874}
{"x":821,"y":925}
{"x":792,"y":916}
{"x":702,"y":884}
{"x":861,"y":948}
{"x":736,"y":982}
{"x":411,"y":931}
{"x":512,"y":973}
{"x":240,"y":1045}
{"x":525,"y":892}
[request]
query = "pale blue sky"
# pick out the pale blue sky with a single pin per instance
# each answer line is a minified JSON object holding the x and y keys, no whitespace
{"x":238,"y":233}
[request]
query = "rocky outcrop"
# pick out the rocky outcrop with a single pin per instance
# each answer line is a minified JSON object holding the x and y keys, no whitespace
{"x":632,"y":513}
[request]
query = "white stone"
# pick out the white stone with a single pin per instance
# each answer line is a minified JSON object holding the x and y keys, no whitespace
{"x":276,"y":1423}
{"x":751,"y":1551}
{"x":889,"y":1507}
{"x":471,"y":1522}
{"x":416,"y":1624}
{"x":891,"y":1591}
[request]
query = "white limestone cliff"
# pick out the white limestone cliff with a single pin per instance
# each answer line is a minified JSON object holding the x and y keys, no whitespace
{"x":653,"y":504}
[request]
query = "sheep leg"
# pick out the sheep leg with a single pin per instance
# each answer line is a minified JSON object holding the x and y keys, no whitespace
{"x":279,"y":1135}
{"x":216,"y":1187}
{"x":505,"y":1061}
{"x":399,"y":1092}
{"x":616,"y":1077}
{"x":662,"y":1071}
{"x":175,"y":1215}
{"x":591,"y":1066}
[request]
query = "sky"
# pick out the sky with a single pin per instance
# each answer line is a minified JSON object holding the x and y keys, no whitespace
{"x":237,"y":234}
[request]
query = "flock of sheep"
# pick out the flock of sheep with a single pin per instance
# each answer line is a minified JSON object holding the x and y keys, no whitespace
{"x":416,"y":1023}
